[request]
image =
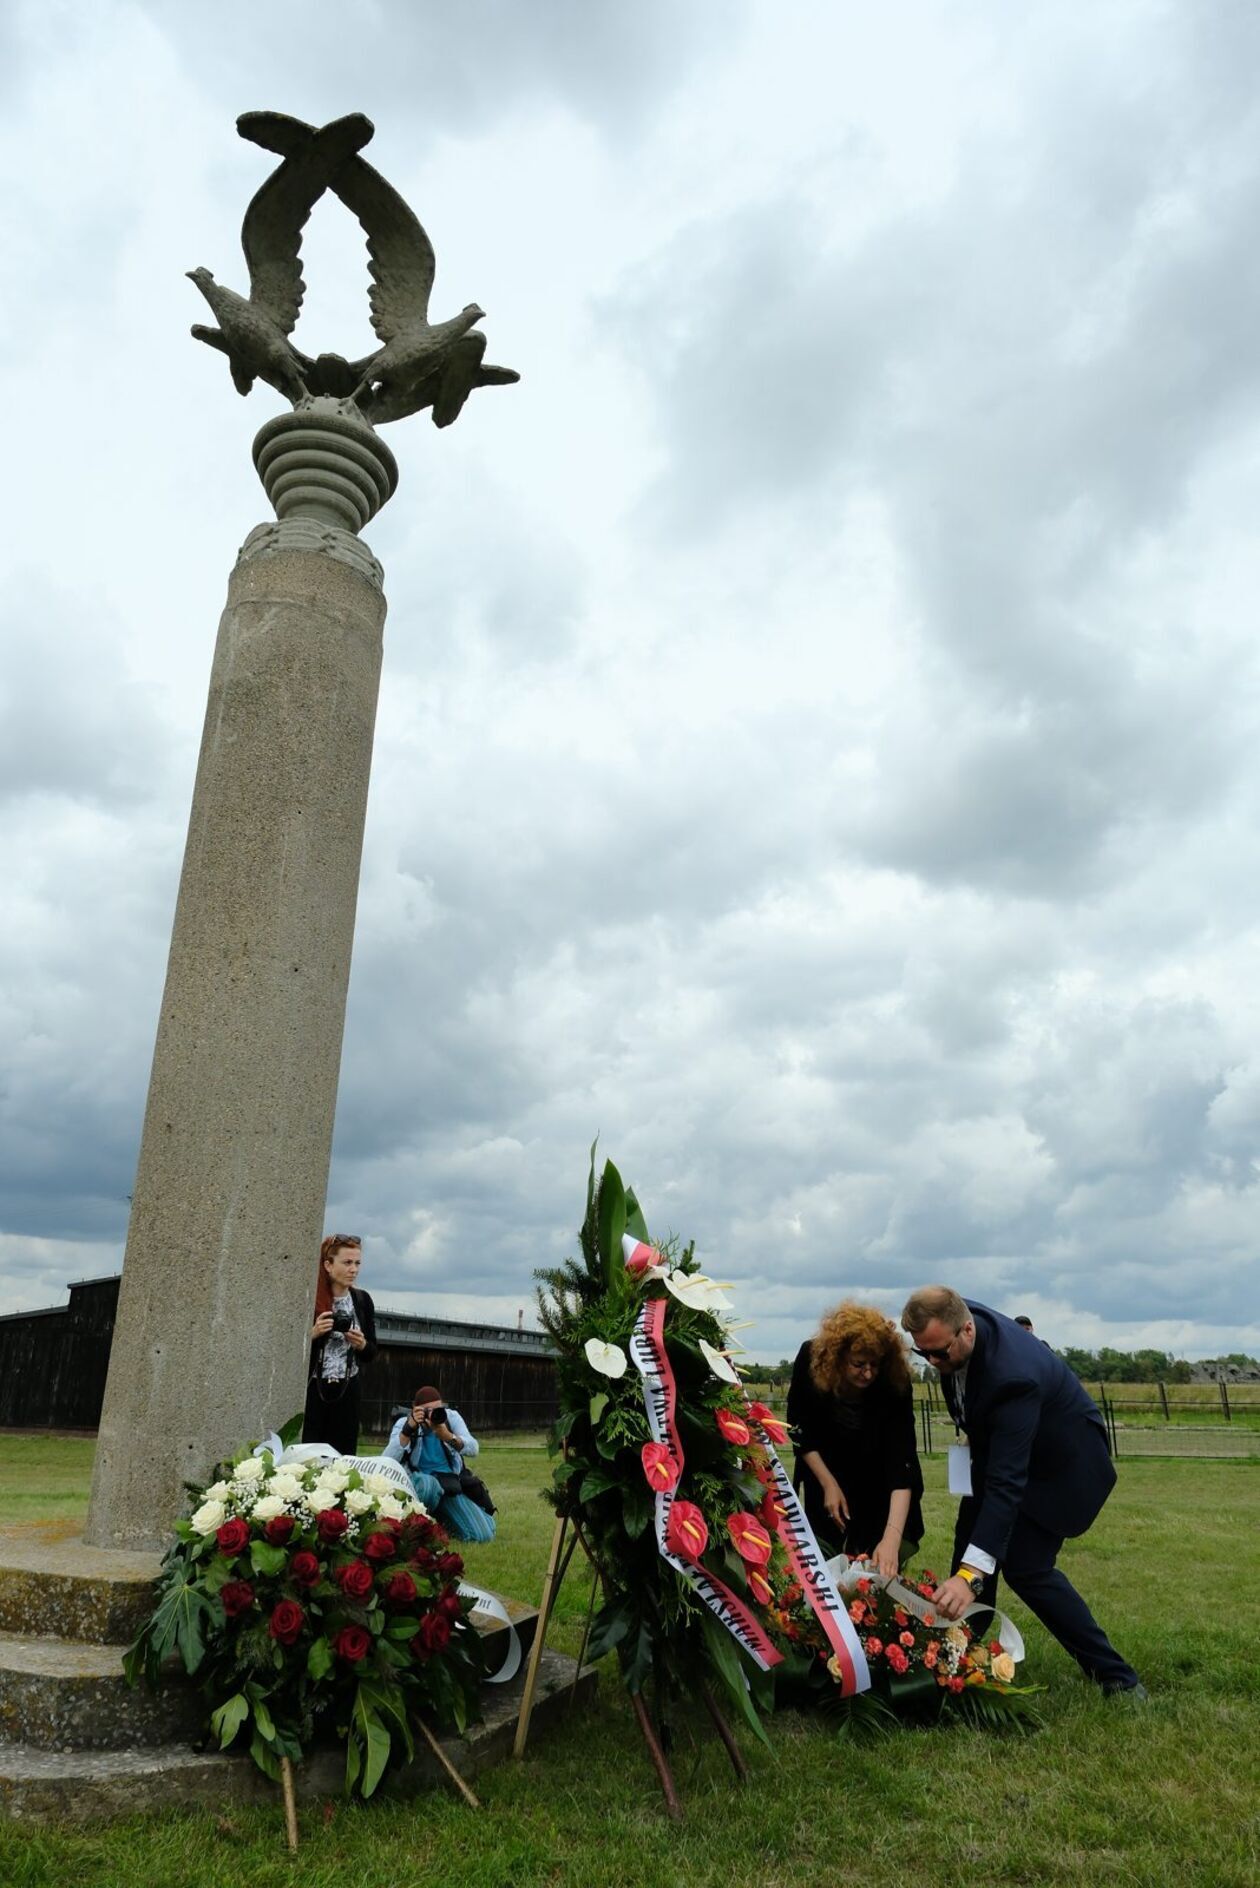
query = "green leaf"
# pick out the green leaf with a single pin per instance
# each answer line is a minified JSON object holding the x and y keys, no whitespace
{"x":612,"y":1221}
{"x":266,"y":1560}
{"x":599,"y":1403}
{"x":319,"y":1660}
{"x":638,"y":1665}
{"x":292,"y":1430}
{"x":636,"y":1508}
{"x":725,"y":1658}
{"x":228,"y":1719}
{"x":596,"y":1481}
{"x":636,"y":1225}
{"x":367,"y":1725}
{"x":262,"y":1716}
{"x":405,"y":1628}
{"x":265,"y":1758}
{"x":608,"y":1628}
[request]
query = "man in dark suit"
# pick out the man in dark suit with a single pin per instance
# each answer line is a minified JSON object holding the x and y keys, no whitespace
{"x":1040,"y":1471}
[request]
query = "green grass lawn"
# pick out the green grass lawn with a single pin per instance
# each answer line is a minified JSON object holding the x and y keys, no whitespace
{"x":1169,"y":1794}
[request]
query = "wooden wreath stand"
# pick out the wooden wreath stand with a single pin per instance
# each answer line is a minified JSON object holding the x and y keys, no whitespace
{"x":557,"y":1566}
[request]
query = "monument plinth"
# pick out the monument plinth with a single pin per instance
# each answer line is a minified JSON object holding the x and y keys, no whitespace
{"x":214,"y":1310}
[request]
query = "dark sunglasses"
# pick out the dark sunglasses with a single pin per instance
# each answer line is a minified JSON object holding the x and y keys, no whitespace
{"x":937,"y":1353}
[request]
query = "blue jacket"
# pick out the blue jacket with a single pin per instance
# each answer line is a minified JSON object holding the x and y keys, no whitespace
{"x":1038,"y":1440}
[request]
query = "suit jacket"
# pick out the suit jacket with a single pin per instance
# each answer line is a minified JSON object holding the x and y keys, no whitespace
{"x":1038,"y":1440}
{"x":365,"y":1311}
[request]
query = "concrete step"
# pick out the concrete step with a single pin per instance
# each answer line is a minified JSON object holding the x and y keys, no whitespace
{"x":58,"y":1786}
{"x":53,"y":1586}
{"x":64,"y":1694}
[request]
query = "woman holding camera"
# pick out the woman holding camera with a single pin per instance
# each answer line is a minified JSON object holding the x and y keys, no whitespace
{"x":433,"y":1442}
{"x":343,"y":1340}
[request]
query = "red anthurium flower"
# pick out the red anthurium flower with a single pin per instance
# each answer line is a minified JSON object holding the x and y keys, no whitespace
{"x":767,"y":1421}
{"x":759,"y":1587}
{"x":659,"y":1466}
{"x":685,"y":1532}
{"x":751,"y":1538}
{"x":734,"y":1428}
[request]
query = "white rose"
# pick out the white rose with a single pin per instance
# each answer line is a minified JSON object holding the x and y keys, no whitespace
{"x":286,"y":1487}
{"x":217,"y":1491}
{"x":250,"y":1469}
{"x":359,"y":1501}
{"x":391,"y":1508}
{"x":378,"y":1484}
{"x":209,"y":1516}
{"x":335,"y":1478}
{"x":267,"y":1507}
{"x":319,"y":1499}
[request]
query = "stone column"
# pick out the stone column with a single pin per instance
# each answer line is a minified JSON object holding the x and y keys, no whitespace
{"x":218,"y":1284}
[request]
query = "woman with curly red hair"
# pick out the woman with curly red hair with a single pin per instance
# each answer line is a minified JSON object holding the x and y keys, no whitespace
{"x":851,"y":1414}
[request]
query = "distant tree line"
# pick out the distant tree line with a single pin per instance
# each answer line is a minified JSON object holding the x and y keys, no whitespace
{"x":1092,"y":1366}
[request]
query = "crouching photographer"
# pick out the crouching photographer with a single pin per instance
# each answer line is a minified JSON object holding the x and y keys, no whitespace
{"x":434,"y":1444}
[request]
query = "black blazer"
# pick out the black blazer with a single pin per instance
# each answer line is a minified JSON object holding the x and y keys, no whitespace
{"x":1038,"y":1441}
{"x":365,"y":1311}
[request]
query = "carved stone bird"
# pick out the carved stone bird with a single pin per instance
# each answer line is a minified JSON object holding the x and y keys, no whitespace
{"x":421,"y":364}
{"x":254,"y":332}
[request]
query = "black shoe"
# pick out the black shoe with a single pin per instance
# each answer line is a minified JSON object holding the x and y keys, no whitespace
{"x":1136,"y":1693}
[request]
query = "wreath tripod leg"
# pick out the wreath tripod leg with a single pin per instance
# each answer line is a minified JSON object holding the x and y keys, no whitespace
{"x":659,"y":1759}
{"x":551,"y":1586}
{"x":724,"y":1731}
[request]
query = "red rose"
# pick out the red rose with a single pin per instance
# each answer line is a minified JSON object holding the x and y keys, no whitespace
{"x":304,"y":1567}
{"x":380,"y":1547}
{"x":352,"y":1643}
{"x":332,"y":1524}
{"x":286,"y":1622}
{"x":450,"y":1565}
{"x":416,"y":1529}
{"x":355,"y":1580}
{"x":449,"y":1605}
{"x":279,"y":1530}
{"x":434,"y":1635}
{"x":233,"y":1537}
{"x":237,"y":1597}
{"x":401,"y":1590}
{"x":422,"y":1558}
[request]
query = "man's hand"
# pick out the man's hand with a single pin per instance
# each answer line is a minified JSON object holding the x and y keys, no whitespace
{"x":952,"y":1598}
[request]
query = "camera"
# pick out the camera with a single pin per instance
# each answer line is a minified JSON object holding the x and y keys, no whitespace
{"x":342,"y":1318}
{"x":438,"y":1413}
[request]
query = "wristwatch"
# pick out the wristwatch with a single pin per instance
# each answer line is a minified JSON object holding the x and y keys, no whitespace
{"x":974,"y":1579}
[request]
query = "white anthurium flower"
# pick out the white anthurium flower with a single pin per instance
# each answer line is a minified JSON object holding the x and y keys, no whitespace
{"x":697,"y":1292}
{"x":609,"y":1359}
{"x":250,"y":1470}
{"x":209,"y":1516}
{"x":359,"y":1501}
{"x":720,"y":1366}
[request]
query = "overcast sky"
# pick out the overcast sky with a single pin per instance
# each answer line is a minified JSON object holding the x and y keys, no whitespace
{"x":818,"y":736}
